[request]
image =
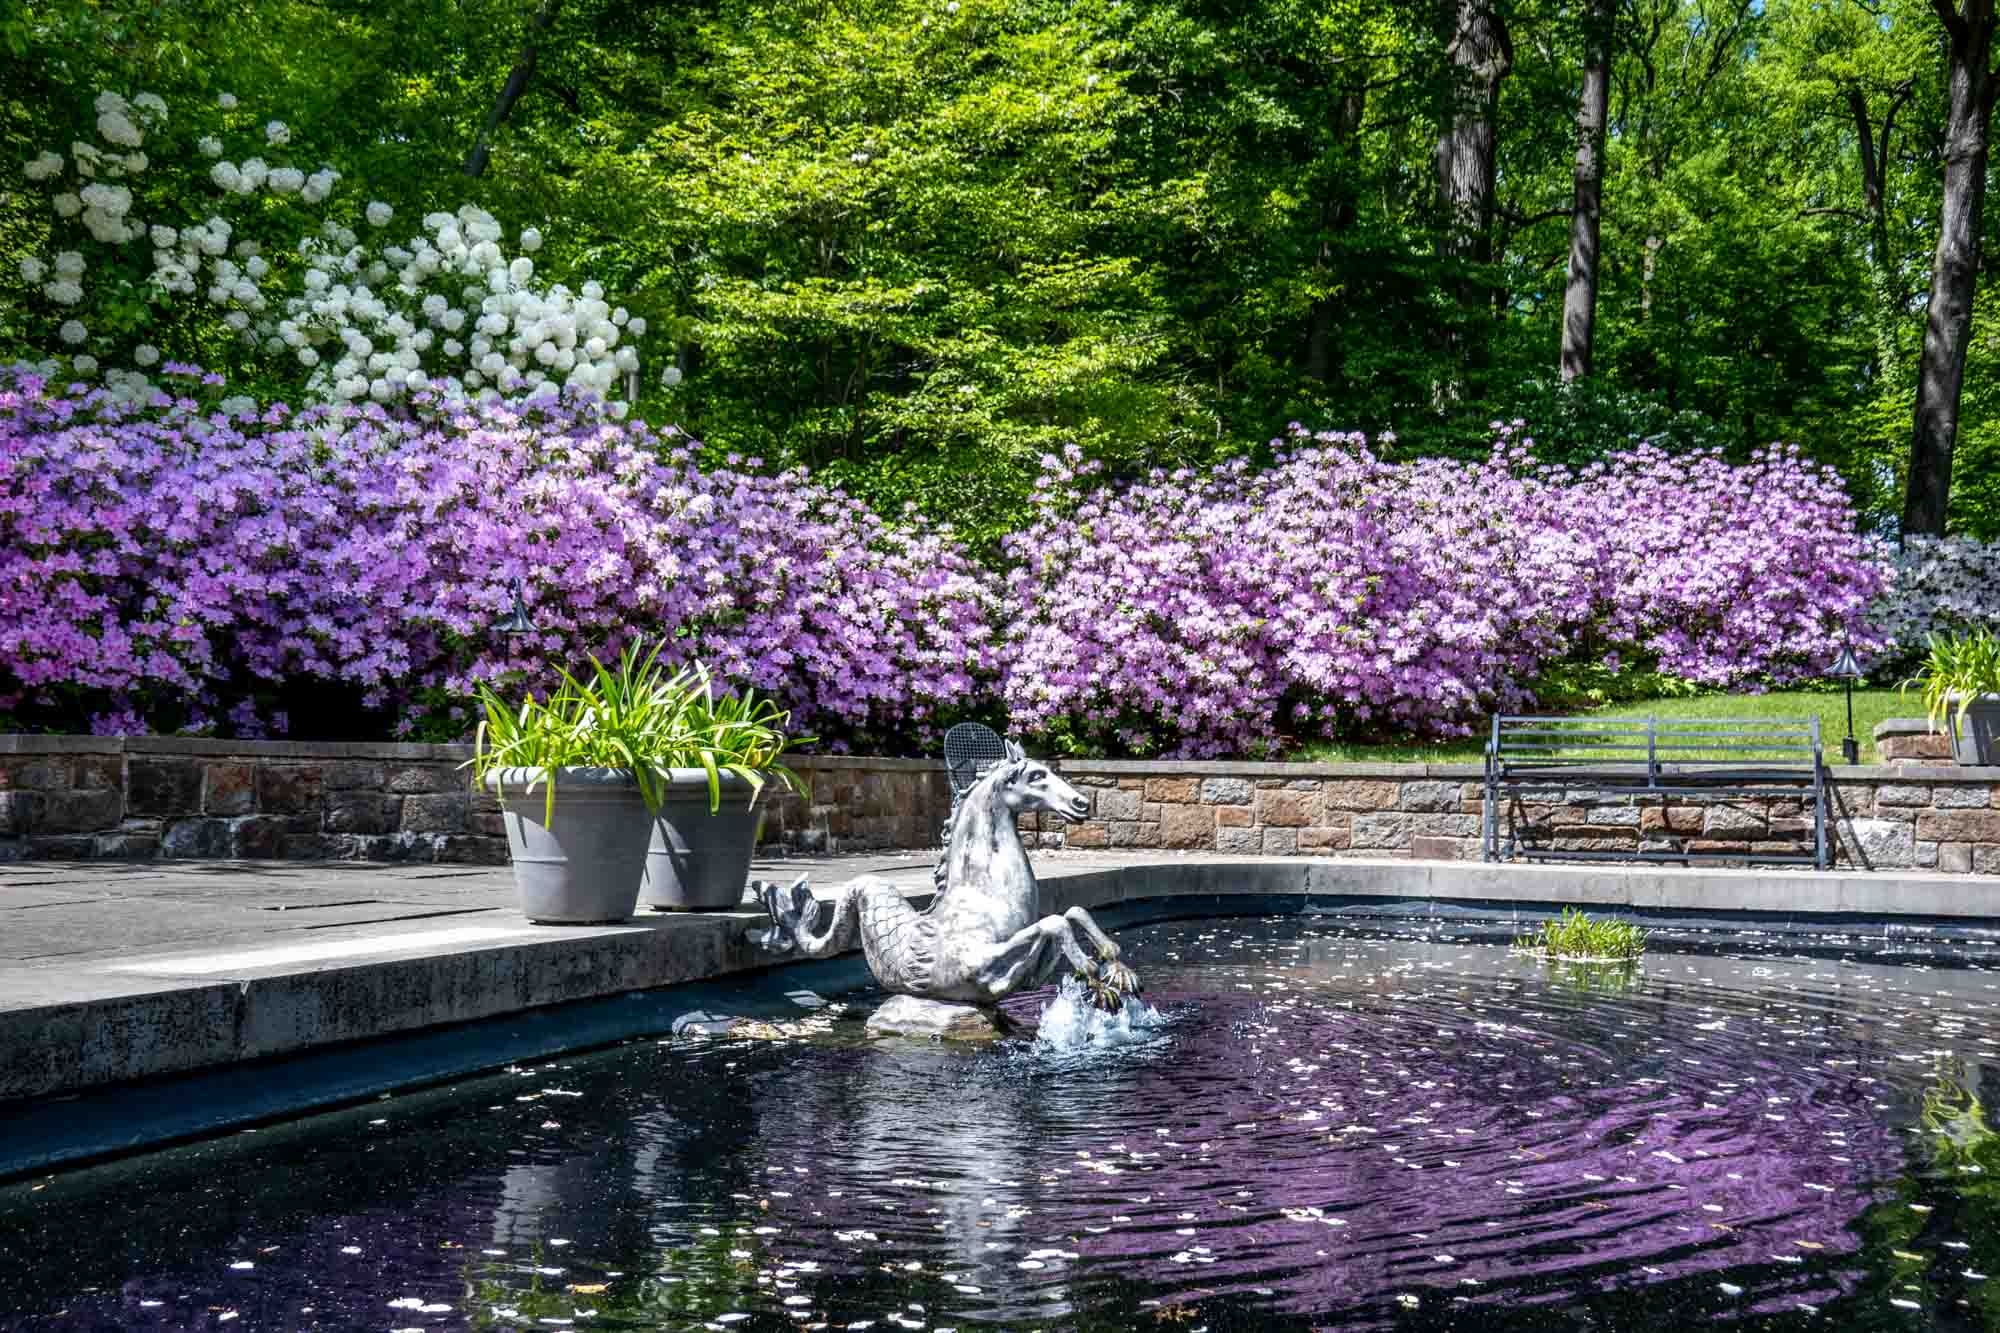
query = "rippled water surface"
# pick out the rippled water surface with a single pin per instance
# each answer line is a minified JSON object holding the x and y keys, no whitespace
{"x":1333,"y":1128}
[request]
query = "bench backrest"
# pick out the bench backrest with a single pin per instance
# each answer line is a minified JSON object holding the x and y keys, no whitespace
{"x":1688,"y":744}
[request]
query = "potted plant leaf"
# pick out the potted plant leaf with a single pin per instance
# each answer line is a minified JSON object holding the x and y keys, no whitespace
{"x":1960,"y":678}
{"x":705,"y":829}
{"x":579,"y":775}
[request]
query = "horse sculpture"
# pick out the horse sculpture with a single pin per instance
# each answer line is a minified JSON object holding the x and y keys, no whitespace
{"x":979,"y":941}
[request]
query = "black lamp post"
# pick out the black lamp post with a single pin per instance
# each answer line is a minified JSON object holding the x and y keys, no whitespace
{"x":1848,"y":668}
{"x":516,"y":620}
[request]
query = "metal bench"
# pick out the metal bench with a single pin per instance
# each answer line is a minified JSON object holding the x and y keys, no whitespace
{"x":1553,"y":760}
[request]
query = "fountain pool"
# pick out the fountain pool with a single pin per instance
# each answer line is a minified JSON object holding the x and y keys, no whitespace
{"x":1333,"y":1126}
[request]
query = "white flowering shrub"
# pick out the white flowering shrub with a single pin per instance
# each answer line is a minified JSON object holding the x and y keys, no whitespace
{"x":167,"y":248}
{"x":1938,"y":585}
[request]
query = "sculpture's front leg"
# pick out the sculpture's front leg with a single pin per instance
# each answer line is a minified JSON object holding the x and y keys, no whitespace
{"x":1036,"y":953}
{"x":1109,"y":971}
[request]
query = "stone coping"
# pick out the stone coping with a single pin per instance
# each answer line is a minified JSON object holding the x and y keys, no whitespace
{"x":201,"y":746}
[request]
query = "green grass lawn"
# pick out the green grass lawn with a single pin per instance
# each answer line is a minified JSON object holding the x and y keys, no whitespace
{"x":1870,"y":707}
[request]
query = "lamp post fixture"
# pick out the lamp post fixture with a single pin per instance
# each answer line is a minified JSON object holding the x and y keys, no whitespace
{"x":516,"y":620}
{"x":1848,"y":668}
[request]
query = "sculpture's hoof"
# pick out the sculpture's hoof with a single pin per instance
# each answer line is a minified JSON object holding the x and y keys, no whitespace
{"x":1120,"y":978}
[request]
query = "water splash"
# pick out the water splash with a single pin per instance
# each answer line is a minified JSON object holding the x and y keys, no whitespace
{"x":1070,"y":1022}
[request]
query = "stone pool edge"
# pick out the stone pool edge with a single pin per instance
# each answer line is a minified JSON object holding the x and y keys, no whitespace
{"x":154,"y":1039}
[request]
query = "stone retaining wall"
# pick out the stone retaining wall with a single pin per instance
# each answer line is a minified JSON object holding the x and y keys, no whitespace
{"x":79,"y":797}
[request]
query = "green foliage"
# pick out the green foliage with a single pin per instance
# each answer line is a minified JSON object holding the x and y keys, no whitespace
{"x":1955,"y":672}
{"x":638,"y":718}
{"x":1577,"y":936}
{"x":1573,"y":686}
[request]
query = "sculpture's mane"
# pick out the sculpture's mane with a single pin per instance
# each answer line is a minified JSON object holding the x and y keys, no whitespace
{"x":978,"y":798}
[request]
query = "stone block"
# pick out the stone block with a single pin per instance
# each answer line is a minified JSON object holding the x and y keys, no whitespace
{"x":409,"y":778}
{"x":1429,"y":848}
{"x":78,"y":811}
{"x":1113,"y":803}
{"x":1279,"y":841}
{"x":163,"y":786}
{"x":42,"y":773}
{"x":1954,"y":857}
{"x":1717,"y":846}
{"x":100,"y":772}
{"x":1173,"y":791}
{"x":1323,"y":839}
{"x":1963,"y":796}
{"x":1125,"y":832}
{"x":1289,"y":809}
{"x":260,"y":837}
{"x":17,"y":812}
{"x":1927,"y":854}
{"x":1234,"y":816}
{"x":1672,"y":819}
{"x":1733,"y":819}
{"x":309,"y":846}
{"x":1187,"y":827}
{"x":1433,"y":796}
{"x":352,"y":775}
{"x":1612,"y":816}
{"x":1877,"y":844}
{"x":1088,"y":834}
{"x":288,"y":789}
{"x":1588,"y":844}
{"x":1248,"y":841}
{"x":471,"y":849}
{"x":1902,"y":794}
{"x":125,"y":847}
{"x":62,"y":847}
{"x":367,"y":812}
{"x":206,"y":839}
{"x":1225,"y":791}
{"x":436,"y":813}
{"x":1986,"y":860}
{"x":1360,"y":794}
{"x":1924,"y":747}
{"x":1959,"y":825}
{"x":1381,"y":831}
{"x":493,"y":824}
{"x":229,"y":789}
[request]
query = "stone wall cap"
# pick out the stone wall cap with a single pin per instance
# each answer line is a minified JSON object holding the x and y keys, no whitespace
{"x":1237,"y":768}
{"x":27,"y":743}
{"x":1904,"y":726}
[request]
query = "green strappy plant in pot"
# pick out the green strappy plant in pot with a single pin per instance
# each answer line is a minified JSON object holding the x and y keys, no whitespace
{"x":585,"y":775}
{"x":1960,"y":679}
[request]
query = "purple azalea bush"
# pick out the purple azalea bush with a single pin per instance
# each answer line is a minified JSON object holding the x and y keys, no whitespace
{"x":176,"y":554}
{"x":177,"y":561}
{"x":1337,"y":592}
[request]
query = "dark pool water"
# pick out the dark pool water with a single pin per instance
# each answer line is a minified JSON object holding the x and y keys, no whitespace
{"x":1333,"y":1129}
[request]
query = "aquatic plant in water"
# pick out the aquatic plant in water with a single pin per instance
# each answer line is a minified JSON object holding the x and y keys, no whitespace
{"x":1576,"y":937}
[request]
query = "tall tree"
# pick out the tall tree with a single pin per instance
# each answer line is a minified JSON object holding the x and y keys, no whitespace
{"x":1579,"y":324}
{"x":1481,"y":54}
{"x":1969,"y":87}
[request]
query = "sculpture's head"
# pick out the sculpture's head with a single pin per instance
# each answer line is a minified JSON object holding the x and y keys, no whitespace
{"x":1027,"y":785}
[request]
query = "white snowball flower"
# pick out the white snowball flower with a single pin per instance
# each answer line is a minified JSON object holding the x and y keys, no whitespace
{"x":256,"y":268}
{"x":72,"y":331}
{"x":379,"y":213}
{"x":69,"y":263}
{"x":33,"y":270}
{"x":152,"y":105}
{"x":226,"y":176}
{"x":146,"y":354}
{"x":531,"y":239}
{"x":67,"y":205}
{"x":64,"y":291}
{"x":45,"y":165}
{"x":85,"y":364}
{"x":637,"y":328}
{"x":116,"y":127}
{"x":593,"y":291}
{"x":254,"y":173}
{"x":209,"y":146}
{"x":165,"y":237}
{"x":453,"y":348}
{"x":237,"y":319}
{"x":670,"y":376}
{"x":521,"y":269}
{"x":277,"y":133}
{"x":287,"y":180}
{"x":619,"y":410}
{"x":227,"y":101}
{"x":108,"y":102}
{"x":308,"y":357}
{"x":111,"y":200}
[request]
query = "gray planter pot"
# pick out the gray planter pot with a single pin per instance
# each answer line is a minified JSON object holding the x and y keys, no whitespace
{"x":582,"y":866}
{"x":700,"y":862}
{"x":1977,"y":739}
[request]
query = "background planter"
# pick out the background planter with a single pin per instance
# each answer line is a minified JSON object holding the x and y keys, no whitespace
{"x":1976,"y":738}
{"x":699,"y":861}
{"x":584,"y":864}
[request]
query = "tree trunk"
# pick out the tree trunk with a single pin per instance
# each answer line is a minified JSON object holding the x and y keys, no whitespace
{"x":1891,"y":296}
{"x":1587,"y":196}
{"x":1322,"y":361}
{"x":1481,"y":54}
{"x":1970,"y":84}
{"x":510,"y":91}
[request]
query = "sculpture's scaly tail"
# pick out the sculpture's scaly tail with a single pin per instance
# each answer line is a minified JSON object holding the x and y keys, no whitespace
{"x":794,"y":914}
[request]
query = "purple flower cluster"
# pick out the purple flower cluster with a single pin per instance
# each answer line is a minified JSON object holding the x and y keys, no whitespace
{"x":175,"y":550}
{"x":1337,"y":592}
